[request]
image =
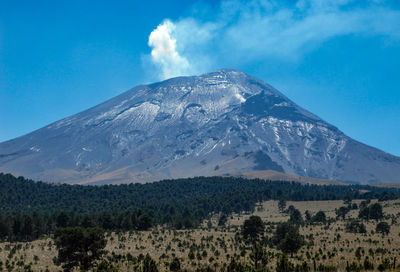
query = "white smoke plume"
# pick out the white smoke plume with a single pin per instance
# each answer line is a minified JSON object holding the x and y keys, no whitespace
{"x":164,"y":52}
{"x":245,"y":31}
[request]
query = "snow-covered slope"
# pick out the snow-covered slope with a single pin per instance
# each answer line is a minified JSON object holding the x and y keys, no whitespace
{"x":220,"y":123}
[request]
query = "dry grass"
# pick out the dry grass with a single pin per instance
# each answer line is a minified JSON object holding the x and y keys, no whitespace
{"x":215,"y":246}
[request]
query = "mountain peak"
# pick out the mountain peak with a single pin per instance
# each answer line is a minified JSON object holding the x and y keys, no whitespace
{"x":228,"y":71}
{"x":220,"y":123}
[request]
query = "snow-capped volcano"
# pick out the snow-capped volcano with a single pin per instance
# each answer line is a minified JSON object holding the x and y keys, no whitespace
{"x":225,"y":122}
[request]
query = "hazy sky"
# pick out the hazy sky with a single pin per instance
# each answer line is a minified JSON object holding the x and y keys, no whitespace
{"x":338,"y":59}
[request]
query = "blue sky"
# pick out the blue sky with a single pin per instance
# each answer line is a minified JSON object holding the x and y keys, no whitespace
{"x":338,"y":59}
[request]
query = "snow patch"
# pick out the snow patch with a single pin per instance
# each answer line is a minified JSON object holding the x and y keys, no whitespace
{"x":240,"y":97}
{"x":282,"y":104}
{"x":34,"y":149}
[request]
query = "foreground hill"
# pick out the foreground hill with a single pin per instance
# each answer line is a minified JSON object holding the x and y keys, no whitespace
{"x":141,"y":219}
{"x":222,"y":123}
{"x":181,"y":203}
{"x":331,"y":246}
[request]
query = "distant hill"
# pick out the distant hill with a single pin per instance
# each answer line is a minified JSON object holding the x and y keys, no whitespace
{"x":218,"y":124}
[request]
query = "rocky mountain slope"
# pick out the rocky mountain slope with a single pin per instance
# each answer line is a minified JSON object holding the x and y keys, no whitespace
{"x":221,"y":123}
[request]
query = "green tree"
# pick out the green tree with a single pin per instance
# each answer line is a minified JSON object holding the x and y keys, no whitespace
{"x":295,"y":217}
{"x":38,"y":225}
{"x":364,"y":204}
{"x":253,"y":228}
{"x":149,"y":265}
{"x":259,"y":257}
{"x":375,"y":211}
{"x":281,"y":205}
{"x":237,"y":267}
{"x":319,"y":217}
{"x":175,"y":265}
{"x":383,"y":227}
{"x":290,"y":209}
{"x":4,"y":228}
{"x":27,"y":227}
{"x":342,"y":212}
{"x":88,"y":222}
{"x":191,"y":255}
{"x":304,"y":267}
{"x":281,"y":230}
{"x":364,"y":213}
{"x":292,"y":242}
{"x":62,"y":220}
{"x":105,"y":266}
{"x":17,"y":226}
{"x":357,"y":253}
{"x":355,"y":227}
{"x":368,"y":265}
{"x":353,"y":267}
{"x":79,"y":247}
{"x":385,"y":265}
{"x":144,"y":222}
{"x":222,"y":220}
{"x":308,"y":216}
{"x":284,"y":265}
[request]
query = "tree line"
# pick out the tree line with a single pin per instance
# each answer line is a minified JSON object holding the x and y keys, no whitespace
{"x":30,"y":209}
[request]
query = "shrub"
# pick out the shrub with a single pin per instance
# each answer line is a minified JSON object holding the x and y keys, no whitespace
{"x":175,"y":265}
{"x":383,"y":227}
{"x":368,"y":265}
{"x":373,"y":211}
{"x":319,"y":217}
{"x":356,"y":227}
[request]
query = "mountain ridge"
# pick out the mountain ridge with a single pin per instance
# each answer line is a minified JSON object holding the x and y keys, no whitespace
{"x":221,"y":123}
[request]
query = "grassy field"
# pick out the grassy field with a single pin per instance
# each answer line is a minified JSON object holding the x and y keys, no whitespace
{"x":328,"y":244}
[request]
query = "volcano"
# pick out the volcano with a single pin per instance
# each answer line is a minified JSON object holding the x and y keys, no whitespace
{"x":221,"y":123}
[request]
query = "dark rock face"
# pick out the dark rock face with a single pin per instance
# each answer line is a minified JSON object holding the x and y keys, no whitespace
{"x":220,"y":123}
